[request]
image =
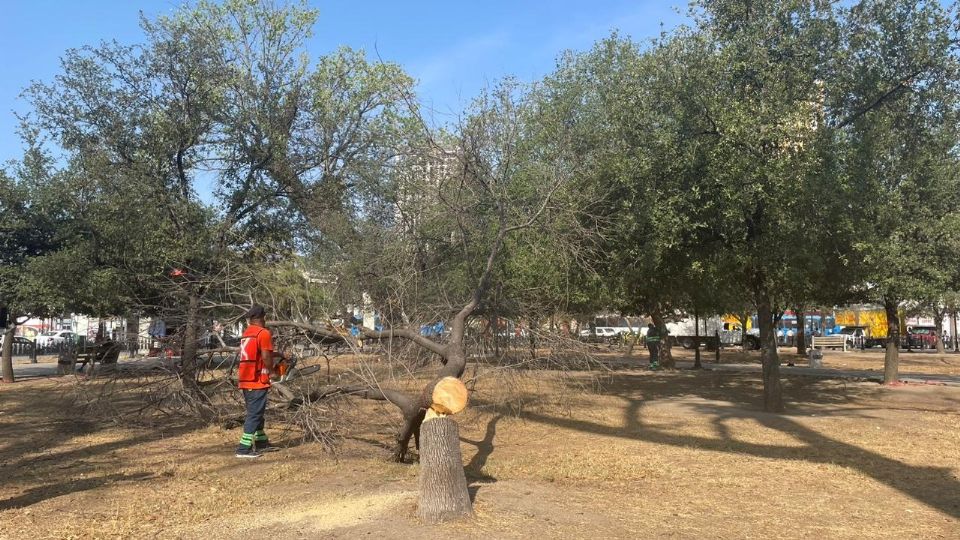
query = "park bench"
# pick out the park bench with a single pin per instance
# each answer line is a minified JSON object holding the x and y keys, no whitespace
{"x":105,"y":354}
{"x":73,"y":360}
{"x":835,"y":342}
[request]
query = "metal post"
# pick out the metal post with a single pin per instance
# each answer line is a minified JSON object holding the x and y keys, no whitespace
{"x":696,"y":338}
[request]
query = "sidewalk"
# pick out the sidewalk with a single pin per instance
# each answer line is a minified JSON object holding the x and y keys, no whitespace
{"x":47,"y":366}
{"x":827,"y":373}
{"x":801,"y":371}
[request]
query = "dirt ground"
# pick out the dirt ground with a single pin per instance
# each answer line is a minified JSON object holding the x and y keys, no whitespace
{"x":925,"y":362}
{"x":669,"y":454}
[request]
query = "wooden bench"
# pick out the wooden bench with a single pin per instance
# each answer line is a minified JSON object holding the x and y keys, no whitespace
{"x":67,"y":362}
{"x":105,"y":353}
{"x":835,"y":342}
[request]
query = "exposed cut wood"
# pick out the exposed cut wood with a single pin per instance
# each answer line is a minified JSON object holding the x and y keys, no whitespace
{"x":449,"y":396}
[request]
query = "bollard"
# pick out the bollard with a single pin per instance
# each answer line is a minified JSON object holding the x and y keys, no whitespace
{"x":815,"y":358}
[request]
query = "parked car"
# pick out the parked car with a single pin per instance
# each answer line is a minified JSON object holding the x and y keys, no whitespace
{"x":18,"y":340}
{"x":598,"y":333}
{"x":922,"y":337}
{"x":605,"y":331}
{"x":21,"y":346}
{"x":56,"y":337}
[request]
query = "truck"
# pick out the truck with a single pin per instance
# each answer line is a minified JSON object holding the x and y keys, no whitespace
{"x":685,"y":332}
{"x":815,"y":323}
{"x":612,"y":328}
{"x":870,"y":320}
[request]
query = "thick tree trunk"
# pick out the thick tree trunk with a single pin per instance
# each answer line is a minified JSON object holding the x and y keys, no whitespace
{"x":891,"y":361}
{"x":189,"y":346}
{"x":801,"y":332}
{"x":443,"y":484}
{"x":954,"y":339}
{"x":770,"y":360}
{"x":938,"y":315}
{"x":411,"y":427}
{"x":8,"y":353}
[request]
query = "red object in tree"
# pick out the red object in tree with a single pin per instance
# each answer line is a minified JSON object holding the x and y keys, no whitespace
{"x":177,"y":272}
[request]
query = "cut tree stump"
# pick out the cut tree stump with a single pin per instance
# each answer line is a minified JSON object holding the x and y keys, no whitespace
{"x":443,"y":484}
{"x":449,"y":396}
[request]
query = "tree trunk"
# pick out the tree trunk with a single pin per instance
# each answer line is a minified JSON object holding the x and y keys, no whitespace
{"x":665,"y":356}
{"x":891,"y":360}
{"x":938,"y":314}
{"x":533,"y":338}
{"x":801,"y":332}
{"x":633,"y":342}
{"x":133,"y":334}
{"x":8,"y":353}
{"x":696,"y":335}
{"x":411,"y":427}
{"x":772,"y":391}
{"x":443,"y":484}
{"x":954,"y":340}
{"x":190,"y":341}
{"x":742,"y":319}
{"x":495,"y":326}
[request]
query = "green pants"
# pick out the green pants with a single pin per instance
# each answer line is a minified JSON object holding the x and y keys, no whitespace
{"x":654,"y":352}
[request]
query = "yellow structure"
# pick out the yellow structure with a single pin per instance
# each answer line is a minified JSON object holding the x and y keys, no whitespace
{"x":730,"y":321}
{"x":872,"y":317}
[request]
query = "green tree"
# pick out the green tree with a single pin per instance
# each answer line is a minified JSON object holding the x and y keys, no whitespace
{"x":220,"y":99}
{"x":761,"y":95}
{"x":893,"y":107}
{"x":32,"y":225}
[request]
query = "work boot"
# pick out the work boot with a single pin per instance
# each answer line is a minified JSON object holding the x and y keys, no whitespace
{"x":262,"y":443}
{"x":246,"y":452}
{"x":266,"y":446}
{"x":246,"y":448}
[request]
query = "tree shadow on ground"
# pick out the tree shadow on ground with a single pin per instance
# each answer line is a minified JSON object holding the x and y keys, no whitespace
{"x":933,"y":486}
{"x":50,"y":491}
{"x":485,"y":447}
{"x":83,"y":473}
{"x":802,"y":395}
{"x":43,"y":460}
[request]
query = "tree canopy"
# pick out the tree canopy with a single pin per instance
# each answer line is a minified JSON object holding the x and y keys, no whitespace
{"x":766,"y":156}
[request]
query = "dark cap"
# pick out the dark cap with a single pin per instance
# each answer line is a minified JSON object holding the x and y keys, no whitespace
{"x":255,"y":312}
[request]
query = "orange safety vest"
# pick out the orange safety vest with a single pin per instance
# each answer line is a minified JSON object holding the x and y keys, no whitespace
{"x":249,"y":373}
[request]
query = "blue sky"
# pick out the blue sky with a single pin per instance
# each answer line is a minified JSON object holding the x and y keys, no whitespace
{"x":452,"y":48}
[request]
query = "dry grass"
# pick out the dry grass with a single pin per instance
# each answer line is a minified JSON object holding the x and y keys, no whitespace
{"x":922,"y":362}
{"x":652,"y":455}
{"x":925,"y":362}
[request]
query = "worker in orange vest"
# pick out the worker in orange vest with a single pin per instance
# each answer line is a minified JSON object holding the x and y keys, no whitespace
{"x":256,"y":365}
